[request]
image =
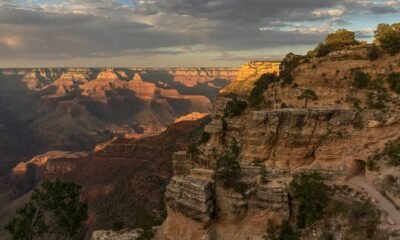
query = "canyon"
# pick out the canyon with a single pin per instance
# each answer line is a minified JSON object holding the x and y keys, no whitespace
{"x":173,"y":185}
{"x":67,"y":100}
{"x":74,"y":109}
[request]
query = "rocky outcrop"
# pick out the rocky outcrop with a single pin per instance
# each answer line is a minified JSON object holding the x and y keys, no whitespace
{"x":192,"y":196}
{"x":124,"y":234}
{"x":281,"y":138}
{"x":192,"y":117}
{"x":192,"y":76}
{"x":247,"y":76}
{"x":45,"y":161}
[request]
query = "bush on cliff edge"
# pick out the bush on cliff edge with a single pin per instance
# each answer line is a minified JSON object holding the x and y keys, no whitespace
{"x":311,"y":197}
{"x":260,"y":86}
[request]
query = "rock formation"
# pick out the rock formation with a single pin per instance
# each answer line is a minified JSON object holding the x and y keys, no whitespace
{"x":248,"y":74}
{"x":281,"y":138}
{"x":124,"y":234}
{"x":74,"y":109}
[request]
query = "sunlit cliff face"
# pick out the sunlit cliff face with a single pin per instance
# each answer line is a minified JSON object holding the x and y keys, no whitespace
{"x":174,"y":33}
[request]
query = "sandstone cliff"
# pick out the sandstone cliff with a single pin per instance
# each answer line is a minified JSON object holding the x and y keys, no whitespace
{"x":248,"y":74}
{"x":284,"y":136}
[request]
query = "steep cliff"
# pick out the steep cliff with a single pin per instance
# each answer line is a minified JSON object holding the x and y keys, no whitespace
{"x":322,"y":121}
{"x":248,"y":74}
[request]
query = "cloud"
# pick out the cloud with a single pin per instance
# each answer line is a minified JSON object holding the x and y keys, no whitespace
{"x":67,"y":29}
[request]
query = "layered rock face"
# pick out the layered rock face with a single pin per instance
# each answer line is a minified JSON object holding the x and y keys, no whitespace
{"x":74,"y":109}
{"x":248,"y":74}
{"x":281,"y":138}
{"x":192,"y":196}
{"x":125,"y":234}
{"x":191,"y":77}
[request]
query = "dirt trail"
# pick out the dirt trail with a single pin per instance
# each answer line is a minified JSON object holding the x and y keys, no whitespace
{"x":382,"y":202}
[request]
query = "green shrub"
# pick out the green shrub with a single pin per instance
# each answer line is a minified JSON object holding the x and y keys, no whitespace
{"x":335,"y":41}
{"x":230,"y":167}
{"x":205,"y":137}
{"x":394,"y":82}
{"x":261,"y":85}
{"x":235,"y":108}
{"x":388,"y":36}
{"x":392,"y":150}
{"x":311,"y":195}
{"x":240,"y":187}
{"x":361,"y":80}
{"x":290,"y":62}
{"x":193,"y":151}
{"x":363,"y":219}
{"x":373,"y":53}
{"x":283,"y":232}
{"x":288,"y":232}
{"x":372,"y":164}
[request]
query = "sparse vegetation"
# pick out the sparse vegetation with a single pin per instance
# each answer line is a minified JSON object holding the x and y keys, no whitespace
{"x":260,"y":86}
{"x":372,"y":164}
{"x":205,"y":137}
{"x":229,"y":166}
{"x":311,"y":196}
{"x":290,"y":62}
{"x":361,"y":80}
{"x":193,"y":151}
{"x":54,"y":211}
{"x":263,"y":174}
{"x":388,"y":37}
{"x":392,"y":150}
{"x":377,"y":99}
{"x":363,"y":221}
{"x":283,"y":232}
{"x":373,"y":53}
{"x":235,"y":108}
{"x":308,"y":94}
{"x":335,"y":41}
{"x":394,"y":82}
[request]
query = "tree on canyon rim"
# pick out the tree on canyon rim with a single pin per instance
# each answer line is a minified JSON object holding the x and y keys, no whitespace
{"x":54,"y":211}
{"x":308,"y":94}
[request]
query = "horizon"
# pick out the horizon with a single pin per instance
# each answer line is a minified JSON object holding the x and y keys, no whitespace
{"x":140,"y":67}
{"x":168,"y":34}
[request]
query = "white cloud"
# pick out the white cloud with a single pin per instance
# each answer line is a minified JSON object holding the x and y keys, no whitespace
{"x":335,"y":12}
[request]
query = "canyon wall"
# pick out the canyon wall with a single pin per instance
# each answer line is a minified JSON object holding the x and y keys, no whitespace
{"x":283,"y":136}
{"x":74,"y":109}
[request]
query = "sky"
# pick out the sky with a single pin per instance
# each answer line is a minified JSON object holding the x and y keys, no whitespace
{"x":176,"y":33}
